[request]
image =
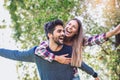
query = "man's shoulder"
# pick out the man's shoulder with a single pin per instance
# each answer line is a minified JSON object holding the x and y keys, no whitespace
{"x":67,"y":46}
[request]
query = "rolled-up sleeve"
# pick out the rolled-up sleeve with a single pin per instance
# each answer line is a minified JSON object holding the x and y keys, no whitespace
{"x":42,"y":52}
{"x":97,"y":39}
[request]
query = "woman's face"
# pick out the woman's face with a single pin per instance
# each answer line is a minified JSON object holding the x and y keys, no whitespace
{"x":71,"y":28}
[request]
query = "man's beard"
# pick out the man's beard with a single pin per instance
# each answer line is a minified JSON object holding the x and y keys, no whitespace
{"x":56,"y":40}
{"x":58,"y":43}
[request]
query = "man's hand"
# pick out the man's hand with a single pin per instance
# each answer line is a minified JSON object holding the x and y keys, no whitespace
{"x":62,"y":59}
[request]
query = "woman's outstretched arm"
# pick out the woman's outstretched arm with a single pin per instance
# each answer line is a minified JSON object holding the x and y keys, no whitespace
{"x":113,"y":32}
{"x":101,"y":38}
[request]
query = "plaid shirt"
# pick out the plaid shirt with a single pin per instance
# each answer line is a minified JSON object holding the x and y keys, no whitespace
{"x":41,"y":49}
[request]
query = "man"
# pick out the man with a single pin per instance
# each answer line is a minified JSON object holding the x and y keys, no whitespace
{"x":47,"y":70}
{"x":55,"y":70}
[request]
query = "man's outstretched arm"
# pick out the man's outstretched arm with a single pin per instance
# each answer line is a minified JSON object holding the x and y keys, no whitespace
{"x":27,"y":56}
{"x":88,"y":70}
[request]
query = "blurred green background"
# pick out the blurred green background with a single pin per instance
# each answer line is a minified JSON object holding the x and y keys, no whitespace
{"x":98,"y":16}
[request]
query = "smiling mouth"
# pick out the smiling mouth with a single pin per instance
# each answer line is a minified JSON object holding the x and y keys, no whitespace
{"x":68,"y":32}
{"x":61,"y":38}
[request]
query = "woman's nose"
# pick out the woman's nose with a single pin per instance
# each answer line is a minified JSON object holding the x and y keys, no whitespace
{"x":69,"y":27}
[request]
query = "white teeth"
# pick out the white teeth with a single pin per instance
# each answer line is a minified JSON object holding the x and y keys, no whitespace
{"x":67,"y":32}
{"x":61,"y":37}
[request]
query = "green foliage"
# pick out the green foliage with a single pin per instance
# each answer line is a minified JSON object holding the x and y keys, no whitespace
{"x":26,"y":71}
{"x":29,"y":16}
{"x":111,"y":13}
{"x":112,"y":61}
{"x":3,"y":24}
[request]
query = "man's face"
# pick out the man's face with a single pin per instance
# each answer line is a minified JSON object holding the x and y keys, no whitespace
{"x":58,"y":35}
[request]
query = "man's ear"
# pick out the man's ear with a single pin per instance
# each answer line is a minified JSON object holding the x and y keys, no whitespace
{"x":49,"y":35}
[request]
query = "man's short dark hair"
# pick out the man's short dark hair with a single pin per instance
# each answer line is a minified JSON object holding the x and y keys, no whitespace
{"x":49,"y":27}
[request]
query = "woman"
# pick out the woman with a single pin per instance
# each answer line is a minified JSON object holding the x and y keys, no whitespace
{"x":75,"y":38}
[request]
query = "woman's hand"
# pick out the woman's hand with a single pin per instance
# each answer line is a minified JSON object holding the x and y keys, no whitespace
{"x":62,"y":59}
{"x":115,"y":31}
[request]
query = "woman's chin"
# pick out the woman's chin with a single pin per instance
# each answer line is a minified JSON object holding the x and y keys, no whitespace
{"x":68,"y":36}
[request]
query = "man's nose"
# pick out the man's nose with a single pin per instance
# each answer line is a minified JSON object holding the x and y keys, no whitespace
{"x":63,"y":33}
